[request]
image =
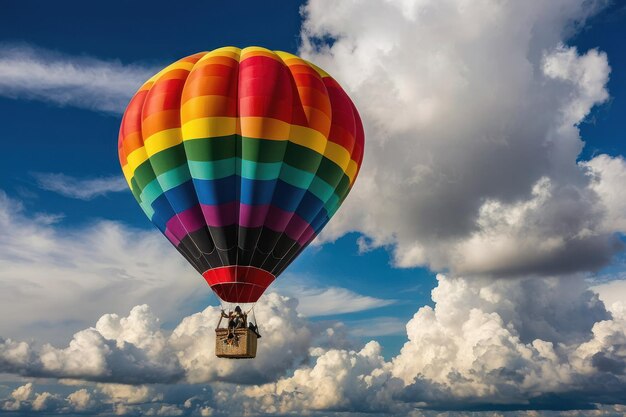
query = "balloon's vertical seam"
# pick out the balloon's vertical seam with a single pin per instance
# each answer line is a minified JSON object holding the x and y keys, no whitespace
{"x":293,"y":214}
{"x":152,"y":161}
{"x":319,"y":215}
{"x":282,"y":73}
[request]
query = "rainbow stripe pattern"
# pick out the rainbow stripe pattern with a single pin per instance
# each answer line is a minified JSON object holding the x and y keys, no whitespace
{"x":240,"y":157}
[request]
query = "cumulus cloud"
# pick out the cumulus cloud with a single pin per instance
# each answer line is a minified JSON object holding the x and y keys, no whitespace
{"x":80,"y":188}
{"x":608,"y":175}
{"x":613,"y":294}
{"x":136,"y":350}
{"x":533,"y":343}
{"x":471,"y":163}
{"x":80,"y":400}
{"x":39,"y":74}
{"x":18,"y":397}
{"x":545,"y":343}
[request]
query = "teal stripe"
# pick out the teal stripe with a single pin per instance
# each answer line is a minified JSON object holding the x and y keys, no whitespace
{"x":174,"y":177}
{"x":213,"y":170}
{"x":166,"y":181}
{"x":147,"y":208}
{"x":321,"y":189}
{"x":332,"y":205}
{"x":151,"y":192}
{"x":223,"y":168}
{"x":205,"y":170}
{"x":260,"y":170}
{"x":297,"y":177}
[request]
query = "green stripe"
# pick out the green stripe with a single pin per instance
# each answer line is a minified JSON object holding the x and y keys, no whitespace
{"x":263,"y":150}
{"x":255,"y":150}
{"x":219,"y":157}
{"x":211,"y":149}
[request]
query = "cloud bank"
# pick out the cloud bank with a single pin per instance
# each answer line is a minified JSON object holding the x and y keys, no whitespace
{"x":546,"y":343}
{"x":106,"y":266}
{"x":98,"y":267}
{"x":471,"y":115}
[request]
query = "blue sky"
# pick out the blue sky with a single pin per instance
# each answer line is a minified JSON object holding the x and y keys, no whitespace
{"x":494,"y":157}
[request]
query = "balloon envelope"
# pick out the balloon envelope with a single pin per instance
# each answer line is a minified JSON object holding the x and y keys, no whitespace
{"x":240,"y":157}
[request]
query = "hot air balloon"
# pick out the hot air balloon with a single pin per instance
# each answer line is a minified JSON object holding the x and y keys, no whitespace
{"x":240,"y":157}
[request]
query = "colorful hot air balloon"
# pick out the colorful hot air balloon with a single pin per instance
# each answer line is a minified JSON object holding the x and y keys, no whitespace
{"x":240,"y":157}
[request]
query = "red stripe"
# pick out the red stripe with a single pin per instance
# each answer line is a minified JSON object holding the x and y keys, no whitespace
{"x":265,"y":89}
{"x":164,"y":95}
{"x":238,"y":284}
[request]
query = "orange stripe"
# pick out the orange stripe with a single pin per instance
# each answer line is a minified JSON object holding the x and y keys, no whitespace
{"x":209,"y":106}
{"x":163,"y":120}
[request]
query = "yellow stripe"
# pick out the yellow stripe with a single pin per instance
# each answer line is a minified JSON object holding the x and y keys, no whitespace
{"x":265,"y":128}
{"x":163,"y":140}
{"x":269,"y":129}
{"x":338,"y":154}
{"x":208,"y":127}
{"x":186,"y":65}
{"x":228,"y":51}
{"x":287,"y":56}
{"x":309,"y":138}
{"x":290,"y":59}
{"x":258,"y":51}
{"x":136,"y":158}
{"x":128,"y":173}
{"x":250,"y":127}
{"x":351,"y":170}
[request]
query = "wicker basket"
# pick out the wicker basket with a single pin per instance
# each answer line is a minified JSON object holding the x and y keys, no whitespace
{"x":242,"y":346}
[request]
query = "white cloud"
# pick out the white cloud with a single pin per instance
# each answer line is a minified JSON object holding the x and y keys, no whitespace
{"x":19,"y":396}
{"x":135,"y":350}
{"x":101,"y":267}
{"x":533,"y":343}
{"x":81,"y":400}
{"x":315,"y":301}
{"x":82,"y":189}
{"x":39,"y":74}
{"x":45,"y":402}
{"x":128,"y":394}
{"x":613,"y":294}
{"x":377,"y":326}
{"x":95,"y":268}
{"x":165,"y":410}
{"x":471,"y":118}
{"x":608,"y":177}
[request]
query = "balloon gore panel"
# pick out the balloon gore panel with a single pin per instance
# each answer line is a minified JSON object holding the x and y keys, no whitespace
{"x":240,"y":157}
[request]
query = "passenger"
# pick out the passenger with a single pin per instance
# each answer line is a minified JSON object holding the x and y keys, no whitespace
{"x":236,"y":320}
{"x":255,"y":329}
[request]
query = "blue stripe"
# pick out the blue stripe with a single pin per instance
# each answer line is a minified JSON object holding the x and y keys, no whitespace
{"x":224,"y":190}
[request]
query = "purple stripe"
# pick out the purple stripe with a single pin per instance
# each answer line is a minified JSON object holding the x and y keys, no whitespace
{"x":294,"y":226}
{"x":185,"y":222}
{"x":168,"y":234}
{"x":222,"y":215}
{"x":253,"y":216}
